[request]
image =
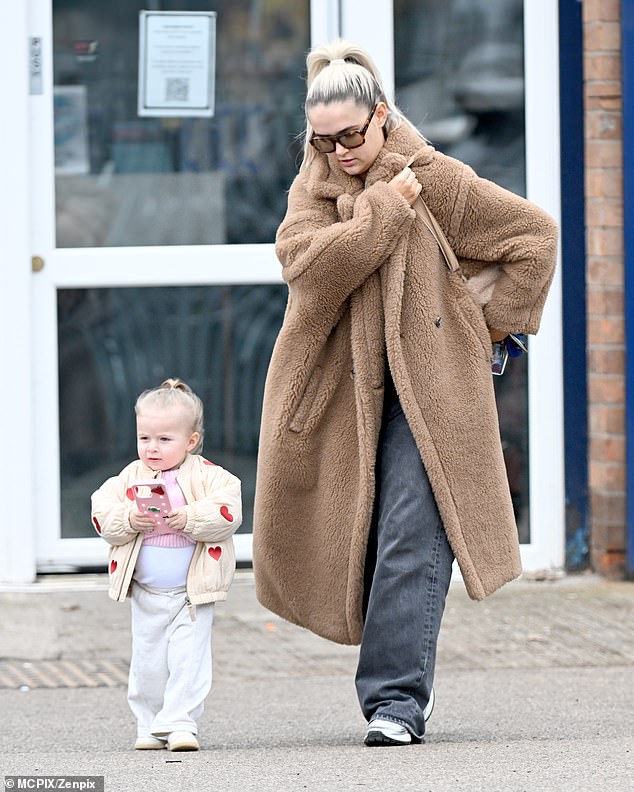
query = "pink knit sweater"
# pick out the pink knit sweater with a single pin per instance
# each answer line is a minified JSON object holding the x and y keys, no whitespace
{"x":165,"y":536}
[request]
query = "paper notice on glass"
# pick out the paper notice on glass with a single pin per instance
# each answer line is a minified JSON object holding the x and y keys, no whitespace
{"x":177,"y":63}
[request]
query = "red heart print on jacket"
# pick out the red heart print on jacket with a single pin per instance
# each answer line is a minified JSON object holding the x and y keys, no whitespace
{"x":215,"y":552}
{"x":97,"y":526}
{"x":224,"y":512}
{"x":113,"y":566}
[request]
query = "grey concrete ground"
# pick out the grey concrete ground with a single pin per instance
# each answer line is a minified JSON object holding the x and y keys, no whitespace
{"x":535,"y":691}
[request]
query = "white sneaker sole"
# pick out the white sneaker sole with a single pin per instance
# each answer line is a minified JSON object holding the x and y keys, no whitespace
{"x":430,"y":706}
{"x":149,"y":744}
{"x":183,"y":744}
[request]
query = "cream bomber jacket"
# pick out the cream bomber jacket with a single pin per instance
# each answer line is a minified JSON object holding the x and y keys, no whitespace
{"x":214,"y":513}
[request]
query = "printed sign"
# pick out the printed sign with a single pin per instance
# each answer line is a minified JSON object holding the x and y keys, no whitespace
{"x":177,"y":56}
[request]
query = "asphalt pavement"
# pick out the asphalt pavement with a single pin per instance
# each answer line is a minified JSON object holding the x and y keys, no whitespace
{"x":535,"y":691}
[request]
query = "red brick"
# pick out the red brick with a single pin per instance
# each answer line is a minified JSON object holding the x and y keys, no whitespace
{"x":606,"y":388}
{"x":609,"y":104}
{"x":604,"y":154}
{"x":606,"y":361}
{"x":604,"y":212}
{"x":605,"y":271}
{"x":602,"y":90}
{"x":605,"y":241}
{"x":601,"y":301}
{"x":608,"y":509}
{"x":615,"y":536}
{"x":606,"y":330}
{"x":608,"y":476}
{"x":609,"y":563}
{"x":600,"y":36}
{"x":601,"y":11}
{"x":602,"y":182}
{"x":609,"y":536}
{"x":606,"y":417}
{"x":601,"y":125}
{"x":607,"y":448}
{"x":602,"y":66}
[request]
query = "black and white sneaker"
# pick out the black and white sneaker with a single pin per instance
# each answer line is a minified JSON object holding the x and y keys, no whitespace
{"x":386,"y":732}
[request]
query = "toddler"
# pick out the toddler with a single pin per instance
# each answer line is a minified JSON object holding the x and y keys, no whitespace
{"x":175,"y":571}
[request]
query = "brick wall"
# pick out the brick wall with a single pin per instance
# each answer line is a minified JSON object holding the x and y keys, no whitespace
{"x":604,"y":279}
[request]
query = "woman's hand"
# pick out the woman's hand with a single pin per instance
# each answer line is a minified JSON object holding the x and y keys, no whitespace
{"x":176,"y":520}
{"x":140,"y":522}
{"x":407,"y":185}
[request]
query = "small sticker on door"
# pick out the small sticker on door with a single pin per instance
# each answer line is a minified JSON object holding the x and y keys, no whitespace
{"x":35,"y":66}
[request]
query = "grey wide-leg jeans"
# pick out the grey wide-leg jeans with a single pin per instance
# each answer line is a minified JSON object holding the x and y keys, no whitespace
{"x":408,"y":570}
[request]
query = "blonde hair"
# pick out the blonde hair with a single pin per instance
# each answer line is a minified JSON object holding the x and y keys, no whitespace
{"x":176,"y":393}
{"x":338,"y":72}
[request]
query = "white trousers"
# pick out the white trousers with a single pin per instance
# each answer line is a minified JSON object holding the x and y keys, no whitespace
{"x":170,"y":670}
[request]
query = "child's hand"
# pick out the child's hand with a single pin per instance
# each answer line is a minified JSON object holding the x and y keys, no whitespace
{"x":140,"y":522}
{"x":177,"y":519}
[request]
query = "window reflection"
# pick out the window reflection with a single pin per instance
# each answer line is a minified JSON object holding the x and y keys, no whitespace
{"x":125,"y":180}
{"x":460,"y":78}
{"x":459,"y":72}
{"x":115,"y":343}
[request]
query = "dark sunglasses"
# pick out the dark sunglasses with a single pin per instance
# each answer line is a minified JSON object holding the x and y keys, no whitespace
{"x":326,"y":144}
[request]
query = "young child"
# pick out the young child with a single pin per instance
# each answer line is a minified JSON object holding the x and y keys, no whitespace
{"x":175,"y":572}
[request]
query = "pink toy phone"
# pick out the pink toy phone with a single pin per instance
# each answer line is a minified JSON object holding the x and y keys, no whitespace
{"x":151,"y":499}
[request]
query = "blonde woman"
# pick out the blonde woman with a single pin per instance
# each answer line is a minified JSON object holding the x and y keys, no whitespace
{"x":380,"y":457}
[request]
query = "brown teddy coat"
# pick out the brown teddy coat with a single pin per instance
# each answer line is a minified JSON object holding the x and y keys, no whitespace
{"x":367,"y":284}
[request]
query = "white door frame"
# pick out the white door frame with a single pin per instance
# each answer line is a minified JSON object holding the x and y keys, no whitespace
{"x":545,"y":381}
{"x":103,"y":267}
{"x":17,"y":560}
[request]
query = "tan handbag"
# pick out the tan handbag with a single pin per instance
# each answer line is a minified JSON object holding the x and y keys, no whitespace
{"x":481,"y":284}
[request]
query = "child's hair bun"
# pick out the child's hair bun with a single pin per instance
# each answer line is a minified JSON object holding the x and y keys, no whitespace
{"x":175,"y":384}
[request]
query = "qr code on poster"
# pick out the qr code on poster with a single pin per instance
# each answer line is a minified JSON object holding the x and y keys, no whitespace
{"x":176,"y":89}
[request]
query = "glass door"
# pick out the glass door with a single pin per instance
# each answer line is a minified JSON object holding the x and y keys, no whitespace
{"x":153,"y":231}
{"x":153,"y":221}
{"x":480,"y":80}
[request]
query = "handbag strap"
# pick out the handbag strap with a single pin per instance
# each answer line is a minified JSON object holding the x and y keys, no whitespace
{"x":422,"y":210}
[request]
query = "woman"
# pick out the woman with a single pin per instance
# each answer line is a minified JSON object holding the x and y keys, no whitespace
{"x":380,"y":456}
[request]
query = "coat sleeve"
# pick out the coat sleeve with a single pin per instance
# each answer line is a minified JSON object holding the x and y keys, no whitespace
{"x":499,"y":226}
{"x":110,"y":512}
{"x":218,"y":514}
{"x":487,"y":223}
{"x":325,"y":259}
